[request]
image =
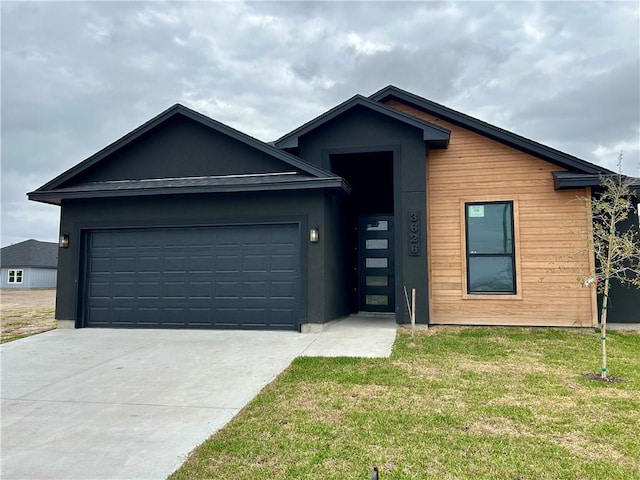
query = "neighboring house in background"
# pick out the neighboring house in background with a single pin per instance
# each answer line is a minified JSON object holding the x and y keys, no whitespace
{"x":29,"y":264}
{"x":188,"y":223}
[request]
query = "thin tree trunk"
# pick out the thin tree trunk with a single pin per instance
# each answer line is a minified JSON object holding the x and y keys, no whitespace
{"x":605,"y":298}
{"x":603,"y":328}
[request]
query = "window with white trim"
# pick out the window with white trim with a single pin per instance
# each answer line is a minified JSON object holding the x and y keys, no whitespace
{"x":490,"y":251}
{"x":15,"y":276}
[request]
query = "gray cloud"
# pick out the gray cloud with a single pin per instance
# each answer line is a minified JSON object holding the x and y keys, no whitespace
{"x":78,"y":75}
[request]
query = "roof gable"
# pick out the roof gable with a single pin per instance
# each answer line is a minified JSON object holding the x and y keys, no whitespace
{"x":180,"y":147}
{"x":162,"y":148}
{"x":434,"y":135}
{"x":30,"y":253}
{"x":513,"y":140}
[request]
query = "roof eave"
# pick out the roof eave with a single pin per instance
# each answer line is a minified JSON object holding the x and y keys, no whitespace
{"x":54,"y":197}
{"x":568,"y":180}
{"x":50,"y":197}
{"x":440,"y":144}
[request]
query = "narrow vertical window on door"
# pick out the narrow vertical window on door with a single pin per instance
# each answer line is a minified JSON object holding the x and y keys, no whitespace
{"x":490,"y":248}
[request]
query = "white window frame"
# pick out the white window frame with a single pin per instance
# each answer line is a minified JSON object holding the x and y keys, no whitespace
{"x":17,"y":274}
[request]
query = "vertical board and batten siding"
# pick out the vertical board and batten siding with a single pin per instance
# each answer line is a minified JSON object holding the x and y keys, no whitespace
{"x":475,"y":168}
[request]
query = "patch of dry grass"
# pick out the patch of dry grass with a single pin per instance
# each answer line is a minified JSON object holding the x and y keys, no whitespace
{"x":26,"y":312}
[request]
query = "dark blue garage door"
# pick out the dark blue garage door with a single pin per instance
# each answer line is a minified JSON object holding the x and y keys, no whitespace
{"x":219,"y":277}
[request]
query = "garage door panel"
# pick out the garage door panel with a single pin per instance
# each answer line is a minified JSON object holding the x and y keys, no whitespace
{"x":256,"y":263}
{"x":100,"y":314}
{"x":174,"y":290}
{"x":149,"y":264}
{"x":254,"y":238}
{"x":201,"y":264}
{"x":149,"y":290}
{"x":123,"y":290}
{"x":228,"y":263}
{"x":201,"y":290}
{"x":100,"y":265}
{"x":174,"y":264}
{"x":254,"y":316}
{"x":227,"y":290}
{"x":284,"y":237}
{"x":283,"y":290}
{"x":219,"y":277}
{"x":100,"y":242}
{"x":255,"y":291}
{"x":225,"y":238}
{"x":99,"y":290}
{"x":226,"y":317}
{"x":281,"y":317}
{"x":283,"y":263}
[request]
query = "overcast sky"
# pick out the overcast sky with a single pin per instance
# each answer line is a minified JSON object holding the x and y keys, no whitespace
{"x":76,"y":76}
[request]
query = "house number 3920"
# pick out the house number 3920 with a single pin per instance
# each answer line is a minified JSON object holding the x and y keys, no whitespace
{"x":414,"y":233}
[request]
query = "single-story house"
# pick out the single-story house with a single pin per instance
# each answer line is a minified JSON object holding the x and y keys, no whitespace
{"x":29,"y":264}
{"x":188,"y":223}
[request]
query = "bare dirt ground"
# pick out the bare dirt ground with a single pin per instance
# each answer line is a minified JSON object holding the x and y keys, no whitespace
{"x":26,"y":312}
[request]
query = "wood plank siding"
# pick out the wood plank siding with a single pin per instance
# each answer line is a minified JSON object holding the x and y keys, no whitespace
{"x":475,"y":168}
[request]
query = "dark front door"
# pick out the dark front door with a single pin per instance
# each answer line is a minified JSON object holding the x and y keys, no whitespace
{"x":375,"y":263}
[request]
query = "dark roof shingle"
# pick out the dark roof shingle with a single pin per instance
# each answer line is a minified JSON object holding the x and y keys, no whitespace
{"x":30,"y":253}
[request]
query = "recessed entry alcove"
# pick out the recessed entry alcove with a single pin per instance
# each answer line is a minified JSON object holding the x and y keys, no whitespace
{"x":368,"y":214}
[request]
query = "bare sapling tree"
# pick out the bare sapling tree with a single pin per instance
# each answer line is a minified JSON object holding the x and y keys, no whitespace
{"x":616,"y":248}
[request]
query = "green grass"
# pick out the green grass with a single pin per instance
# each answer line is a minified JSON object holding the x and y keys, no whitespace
{"x":476,"y":403}
{"x":10,"y":337}
{"x":16,"y":325}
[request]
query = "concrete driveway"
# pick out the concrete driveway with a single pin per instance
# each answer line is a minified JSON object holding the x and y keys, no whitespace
{"x":125,"y":404}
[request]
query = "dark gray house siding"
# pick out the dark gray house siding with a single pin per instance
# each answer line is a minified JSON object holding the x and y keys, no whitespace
{"x":186,"y":177}
{"x":300,"y":208}
{"x":624,"y":300}
{"x":180,"y":148}
{"x":359,"y":134}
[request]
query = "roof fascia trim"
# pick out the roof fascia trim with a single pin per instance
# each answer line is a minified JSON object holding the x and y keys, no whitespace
{"x":511,"y":139}
{"x":430,"y":132}
{"x":570,"y":180}
{"x":54,"y":197}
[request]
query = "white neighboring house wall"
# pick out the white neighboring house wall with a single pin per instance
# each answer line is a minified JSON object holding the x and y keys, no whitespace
{"x":31,"y":277}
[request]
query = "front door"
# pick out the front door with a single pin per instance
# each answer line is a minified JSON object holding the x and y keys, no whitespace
{"x":375,"y":264}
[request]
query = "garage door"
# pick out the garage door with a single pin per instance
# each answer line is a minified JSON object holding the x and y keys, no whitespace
{"x":219,"y":277}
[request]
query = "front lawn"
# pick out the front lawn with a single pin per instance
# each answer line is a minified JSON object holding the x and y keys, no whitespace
{"x":502,"y":403}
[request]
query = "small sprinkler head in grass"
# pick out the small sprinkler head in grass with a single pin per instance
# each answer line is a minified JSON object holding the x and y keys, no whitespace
{"x":374,"y":474}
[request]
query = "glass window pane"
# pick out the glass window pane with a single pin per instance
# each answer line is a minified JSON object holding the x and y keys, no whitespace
{"x":377,"y":281}
{"x":491,"y":274}
{"x":376,"y":262}
{"x":489,"y":228}
{"x":378,"y":226}
{"x":377,"y":244}
{"x":377,"y":299}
